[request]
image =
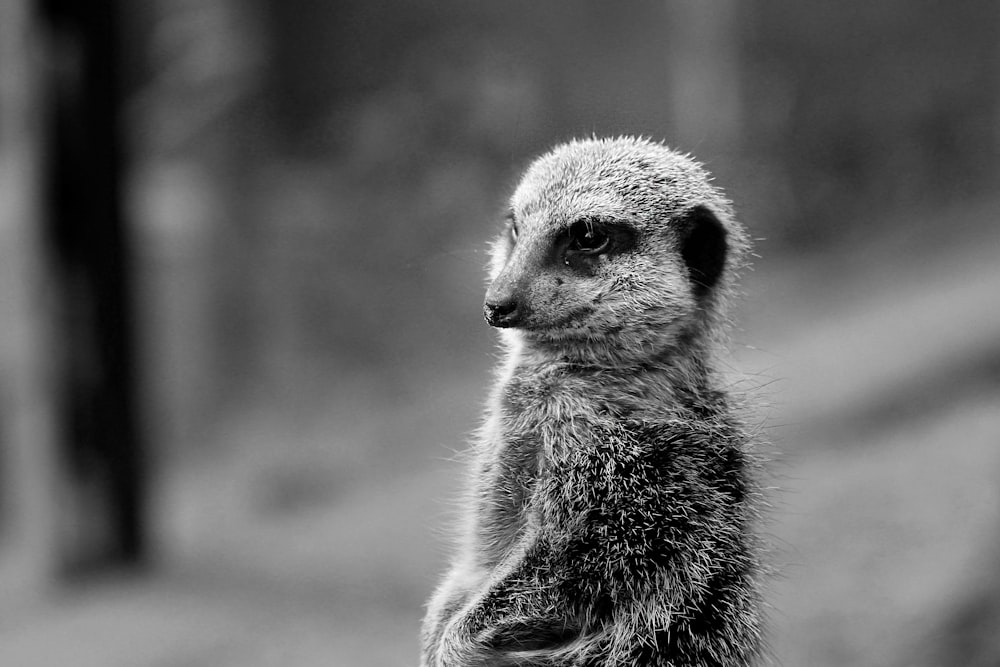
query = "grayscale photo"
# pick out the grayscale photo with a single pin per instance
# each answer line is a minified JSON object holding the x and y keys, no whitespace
{"x":571,"y":333}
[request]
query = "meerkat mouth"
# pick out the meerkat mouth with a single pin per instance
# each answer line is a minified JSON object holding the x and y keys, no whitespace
{"x":571,"y":325}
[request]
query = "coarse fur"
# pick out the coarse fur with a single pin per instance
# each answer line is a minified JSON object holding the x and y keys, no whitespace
{"x":612,"y":501}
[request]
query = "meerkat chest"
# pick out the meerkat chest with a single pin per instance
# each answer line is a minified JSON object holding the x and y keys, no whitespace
{"x":549,"y":413}
{"x":538,"y":419}
{"x":532,"y":419}
{"x":558,"y":410}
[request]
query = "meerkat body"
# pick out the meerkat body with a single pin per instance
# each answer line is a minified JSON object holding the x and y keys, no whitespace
{"x":610,"y":509}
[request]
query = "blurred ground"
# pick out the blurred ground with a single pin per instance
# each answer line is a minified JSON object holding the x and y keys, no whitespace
{"x":885,"y":421}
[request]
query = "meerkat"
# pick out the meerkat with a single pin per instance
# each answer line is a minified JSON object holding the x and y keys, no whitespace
{"x":612,"y":502}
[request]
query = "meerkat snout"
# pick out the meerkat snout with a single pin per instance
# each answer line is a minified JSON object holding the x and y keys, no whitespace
{"x":501,"y":311}
{"x":505,"y":304}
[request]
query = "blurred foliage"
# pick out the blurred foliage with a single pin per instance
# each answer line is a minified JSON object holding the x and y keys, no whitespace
{"x":869,"y":107}
{"x":350,"y":157}
{"x":342,"y":163}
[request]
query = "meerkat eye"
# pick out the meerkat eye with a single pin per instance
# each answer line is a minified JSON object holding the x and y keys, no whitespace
{"x":511,"y":226}
{"x":588,"y":237}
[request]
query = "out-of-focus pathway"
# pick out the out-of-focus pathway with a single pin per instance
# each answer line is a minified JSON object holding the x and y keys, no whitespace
{"x":887,"y":421}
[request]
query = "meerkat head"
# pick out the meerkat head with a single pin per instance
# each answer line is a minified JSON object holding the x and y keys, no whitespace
{"x":615,"y":250}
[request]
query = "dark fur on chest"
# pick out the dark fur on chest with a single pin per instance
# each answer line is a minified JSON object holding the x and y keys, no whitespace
{"x":634,"y":511}
{"x":664,"y":502}
{"x":646,"y":496}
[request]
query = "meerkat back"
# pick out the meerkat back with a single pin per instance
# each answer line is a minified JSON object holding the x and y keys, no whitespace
{"x":611,"y":497}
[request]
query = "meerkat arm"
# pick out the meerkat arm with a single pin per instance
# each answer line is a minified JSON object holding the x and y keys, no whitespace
{"x":500,"y":625}
{"x":448,"y":600}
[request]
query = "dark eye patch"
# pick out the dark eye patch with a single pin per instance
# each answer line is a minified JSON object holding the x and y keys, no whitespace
{"x":592,"y":237}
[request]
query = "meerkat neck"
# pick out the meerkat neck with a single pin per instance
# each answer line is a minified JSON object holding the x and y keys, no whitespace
{"x":684,"y":354}
{"x":667,"y":378}
{"x":686,"y":361}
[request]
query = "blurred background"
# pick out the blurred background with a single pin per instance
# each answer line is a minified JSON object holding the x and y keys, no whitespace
{"x":241,"y":273}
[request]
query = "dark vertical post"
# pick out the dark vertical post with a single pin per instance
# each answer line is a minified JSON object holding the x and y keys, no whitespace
{"x":104,"y":454}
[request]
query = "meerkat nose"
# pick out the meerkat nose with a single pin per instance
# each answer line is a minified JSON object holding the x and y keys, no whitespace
{"x":503,"y":313}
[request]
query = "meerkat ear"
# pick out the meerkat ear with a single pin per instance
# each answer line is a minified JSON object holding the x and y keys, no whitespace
{"x":703,"y":247}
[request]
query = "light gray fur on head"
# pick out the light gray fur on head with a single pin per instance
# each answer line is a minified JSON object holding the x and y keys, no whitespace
{"x":632,"y":305}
